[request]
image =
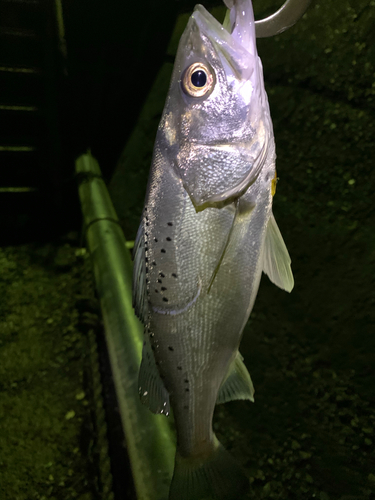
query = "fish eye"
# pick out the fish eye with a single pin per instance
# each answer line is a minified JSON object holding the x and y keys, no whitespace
{"x":197,"y":80}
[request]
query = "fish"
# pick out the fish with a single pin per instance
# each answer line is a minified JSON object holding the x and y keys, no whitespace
{"x":207,"y":233}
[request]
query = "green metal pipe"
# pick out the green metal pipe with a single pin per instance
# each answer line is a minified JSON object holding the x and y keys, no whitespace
{"x":149,"y":439}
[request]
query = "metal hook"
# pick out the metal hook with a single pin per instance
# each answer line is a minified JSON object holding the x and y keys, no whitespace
{"x":284,"y":18}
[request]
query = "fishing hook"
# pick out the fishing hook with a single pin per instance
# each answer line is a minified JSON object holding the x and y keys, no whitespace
{"x":288,"y":14}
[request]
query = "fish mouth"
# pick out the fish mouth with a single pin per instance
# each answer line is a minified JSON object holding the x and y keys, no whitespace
{"x":239,"y":24}
{"x":229,"y":45}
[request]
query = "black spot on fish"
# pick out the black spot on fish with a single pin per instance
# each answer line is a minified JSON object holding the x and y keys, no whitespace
{"x":146,"y":259}
{"x":186,"y":407}
{"x":157,"y":363}
{"x":151,"y":335}
{"x":154,"y":263}
{"x":165,"y":299}
{"x":153,"y":347}
{"x":147,"y":223}
{"x":146,"y":269}
{"x":163,"y":288}
{"x":170,"y":224}
{"x":156,"y":291}
{"x":156,"y":240}
{"x":170,"y":348}
{"x":187,"y":390}
{"x":159,"y":281}
{"x":162,"y":377}
{"x":145,"y":209}
{"x":146,"y":217}
{"x":162,"y":275}
{"x":174,"y":275}
{"x":144,"y":343}
{"x":186,"y":381}
{"x":179,"y":368}
{"x":168,"y":238}
{"x":162,"y":250}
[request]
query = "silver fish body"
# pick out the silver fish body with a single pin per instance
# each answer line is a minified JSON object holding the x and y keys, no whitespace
{"x":207,"y":232}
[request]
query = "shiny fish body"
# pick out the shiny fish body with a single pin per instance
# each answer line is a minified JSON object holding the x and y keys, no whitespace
{"x":207,"y":232}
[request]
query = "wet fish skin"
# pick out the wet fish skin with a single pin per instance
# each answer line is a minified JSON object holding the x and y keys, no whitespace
{"x":203,"y":242}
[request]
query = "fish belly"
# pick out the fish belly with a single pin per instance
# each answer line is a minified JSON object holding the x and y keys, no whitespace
{"x":195,"y":324}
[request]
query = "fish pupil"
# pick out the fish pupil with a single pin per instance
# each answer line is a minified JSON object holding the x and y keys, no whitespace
{"x":199,"y":78}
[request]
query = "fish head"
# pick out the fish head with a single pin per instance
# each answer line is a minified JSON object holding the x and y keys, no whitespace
{"x":216,"y":125}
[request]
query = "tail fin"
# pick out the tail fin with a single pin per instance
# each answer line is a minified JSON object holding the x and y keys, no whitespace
{"x":217,"y":477}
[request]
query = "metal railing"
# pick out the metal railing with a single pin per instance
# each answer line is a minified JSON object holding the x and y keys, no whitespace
{"x":150,"y":442}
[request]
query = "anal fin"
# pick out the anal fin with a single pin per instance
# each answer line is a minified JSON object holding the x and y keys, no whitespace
{"x":237,"y":384}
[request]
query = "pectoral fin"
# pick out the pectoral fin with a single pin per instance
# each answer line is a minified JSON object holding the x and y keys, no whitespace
{"x":236,"y":205}
{"x":237,"y":384}
{"x":276,"y":260}
{"x":152,"y":391}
